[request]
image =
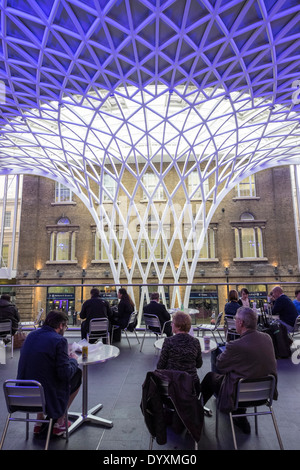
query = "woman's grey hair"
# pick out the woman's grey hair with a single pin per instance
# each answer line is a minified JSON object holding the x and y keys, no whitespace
{"x":248,"y":316}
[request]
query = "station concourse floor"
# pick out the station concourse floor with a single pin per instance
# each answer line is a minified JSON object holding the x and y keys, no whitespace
{"x":117,"y":384}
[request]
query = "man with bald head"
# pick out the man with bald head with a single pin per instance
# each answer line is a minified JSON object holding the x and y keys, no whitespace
{"x":284,"y":308}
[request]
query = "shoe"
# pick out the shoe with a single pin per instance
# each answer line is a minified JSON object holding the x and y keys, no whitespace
{"x":243,"y":424}
{"x":59,"y":430}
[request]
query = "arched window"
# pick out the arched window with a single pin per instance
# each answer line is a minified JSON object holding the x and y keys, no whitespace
{"x":62,"y":241}
{"x":248,"y":237}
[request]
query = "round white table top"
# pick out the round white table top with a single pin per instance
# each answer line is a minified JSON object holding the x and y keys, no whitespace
{"x":190,"y":311}
{"x":212,"y":344}
{"x":99,"y":353}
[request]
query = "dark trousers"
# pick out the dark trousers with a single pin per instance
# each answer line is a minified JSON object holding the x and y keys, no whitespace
{"x":211,"y":385}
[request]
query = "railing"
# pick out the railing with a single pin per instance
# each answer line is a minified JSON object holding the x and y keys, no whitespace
{"x":206,"y":297}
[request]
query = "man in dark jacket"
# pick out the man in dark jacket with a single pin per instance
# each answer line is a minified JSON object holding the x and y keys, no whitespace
{"x":284,"y":308}
{"x":9,"y":311}
{"x":158,"y":309}
{"x":251,"y":356}
{"x":44,"y":357}
{"x":95,"y":307}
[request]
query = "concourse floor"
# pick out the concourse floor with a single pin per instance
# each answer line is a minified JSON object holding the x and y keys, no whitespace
{"x":117,"y":384}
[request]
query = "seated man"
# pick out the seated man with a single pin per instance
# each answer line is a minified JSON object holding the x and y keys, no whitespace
{"x":44,"y":357}
{"x":250,"y":356}
{"x":158,"y":309}
{"x":95,"y":307}
{"x":284,"y":308}
{"x":9,"y":311}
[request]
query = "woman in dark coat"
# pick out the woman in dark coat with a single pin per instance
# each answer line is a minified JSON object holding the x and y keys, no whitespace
{"x":125,"y":308}
{"x":182,"y":351}
{"x":232,"y":304}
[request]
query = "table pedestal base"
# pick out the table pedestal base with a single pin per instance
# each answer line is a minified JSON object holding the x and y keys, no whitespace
{"x":89,"y":417}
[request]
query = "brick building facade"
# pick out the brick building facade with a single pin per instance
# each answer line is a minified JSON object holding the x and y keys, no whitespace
{"x":266,"y":215}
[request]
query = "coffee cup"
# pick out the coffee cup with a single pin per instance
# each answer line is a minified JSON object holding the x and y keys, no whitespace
{"x":206,"y":342}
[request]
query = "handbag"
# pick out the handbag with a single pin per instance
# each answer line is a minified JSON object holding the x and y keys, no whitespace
{"x":19,"y":339}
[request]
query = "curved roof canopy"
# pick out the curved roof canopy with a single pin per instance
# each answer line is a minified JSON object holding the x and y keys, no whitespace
{"x":97,"y":87}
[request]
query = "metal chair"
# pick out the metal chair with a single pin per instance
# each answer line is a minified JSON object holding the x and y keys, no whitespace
{"x":131,"y":323}
{"x":212,"y":328}
{"x":296,"y":329}
{"x":152,"y":324}
{"x":254,"y":393}
{"x":98,"y":328}
{"x":6,"y":330}
{"x":32,"y":324}
{"x":25,"y":396}
{"x":168,"y":404}
{"x":230,"y":328}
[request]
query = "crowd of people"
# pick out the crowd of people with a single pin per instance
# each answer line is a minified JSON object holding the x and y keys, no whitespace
{"x":45,"y":355}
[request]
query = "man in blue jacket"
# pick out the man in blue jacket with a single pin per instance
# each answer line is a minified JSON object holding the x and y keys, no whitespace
{"x":44,"y":357}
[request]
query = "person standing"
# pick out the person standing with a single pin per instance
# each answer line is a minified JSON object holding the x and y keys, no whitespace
{"x":44,"y":357}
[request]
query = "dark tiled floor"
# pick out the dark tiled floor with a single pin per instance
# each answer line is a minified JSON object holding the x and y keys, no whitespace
{"x":117,"y":384}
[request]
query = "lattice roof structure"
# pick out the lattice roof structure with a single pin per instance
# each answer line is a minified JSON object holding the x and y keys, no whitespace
{"x":96,"y":87}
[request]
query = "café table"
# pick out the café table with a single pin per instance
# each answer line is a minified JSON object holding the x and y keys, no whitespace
{"x":96,"y":355}
{"x":190,"y":311}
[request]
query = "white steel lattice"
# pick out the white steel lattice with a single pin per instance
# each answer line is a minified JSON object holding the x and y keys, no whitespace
{"x":120,"y":88}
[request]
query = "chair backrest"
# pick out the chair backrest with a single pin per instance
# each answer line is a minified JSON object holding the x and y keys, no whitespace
{"x":297,"y":325}
{"x":152,"y":321}
{"x":39,"y":315}
{"x":99,"y":325}
{"x":255,"y":392}
{"x":132,"y":318}
{"x":219,"y":318}
{"x":229,"y":323}
{"x":24,"y":395}
{"x":5,"y":326}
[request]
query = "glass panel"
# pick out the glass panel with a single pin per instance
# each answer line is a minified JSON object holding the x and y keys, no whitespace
{"x":62,"y":193}
{"x":246,"y":188}
{"x":259,"y":243}
{"x":62,"y":246}
{"x":150,"y":182}
{"x":237,"y":242}
{"x":110,"y":186}
{"x":248,"y":243}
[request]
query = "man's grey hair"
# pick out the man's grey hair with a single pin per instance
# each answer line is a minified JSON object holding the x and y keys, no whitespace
{"x":248,"y":316}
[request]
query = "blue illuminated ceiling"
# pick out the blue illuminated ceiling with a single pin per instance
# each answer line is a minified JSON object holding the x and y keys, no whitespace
{"x":51,"y":49}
